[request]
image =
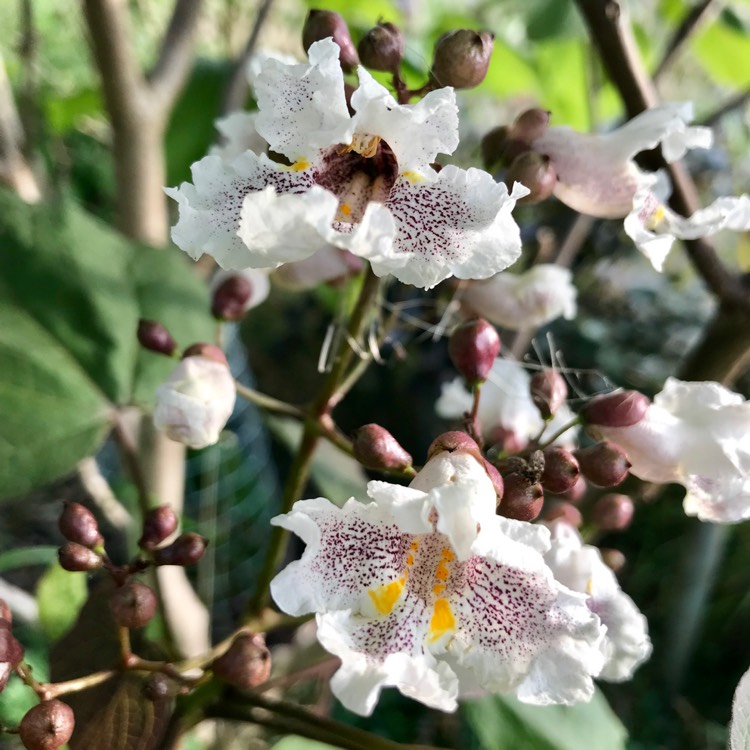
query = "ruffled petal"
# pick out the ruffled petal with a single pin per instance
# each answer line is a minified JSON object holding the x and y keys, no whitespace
{"x":458,"y":223}
{"x":210,"y":208}
{"x":303,"y":107}
{"x":238,"y":134}
{"x":416,"y":133}
{"x":718,"y":500}
{"x":350,"y":551}
{"x":328,"y":264}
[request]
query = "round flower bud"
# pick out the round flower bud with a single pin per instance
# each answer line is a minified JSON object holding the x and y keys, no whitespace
{"x":493,"y":146}
{"x":536,"y":172}
{"x":496,"y":479}
{"x":321,"y":24}
{"x":561,"y":470}
{"x":613,"y":512}
{"x":565,"y":512}
{"x":77,"y":558}
{"x":231,"y":297}
{"x":577,"y":492}
{"x":454,"y":440}
{"x":187,"y":549}
{"x":247,"y":662}
{"x":548,"y":392}
{"x":78,"y":524}
{"x":133,"y":605}
{"x":158,"y":524}
{"x":462,"y":58}
{"x":47,"y":726}
{"x":155,"y":337}
{"x":376,"y":448}
{"x":473,"y":347}
{"x":507,"y":441}
{"x":530,"y":125}
{"x":603,"y":464}
{"x":522,"y":499}
{"x":618,"y":409}
{"x":5,"y":611}
{"x":382,"y":48}
{"x":158,"y":687}
{"x":11,"y":652}
{"x":613,"y":559}
{"x":209,"y":351}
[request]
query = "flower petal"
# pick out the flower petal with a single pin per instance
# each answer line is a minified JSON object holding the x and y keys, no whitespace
{"x":238,"y":134}
{"x":718,"y":500}
{"x":350,"y":551}
{"x":302,"y":108}
{"x":416,"y":133}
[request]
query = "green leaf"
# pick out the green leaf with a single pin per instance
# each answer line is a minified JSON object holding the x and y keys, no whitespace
{"x":26,"y":556}
{"x":60,"y":595}
{"x":561,"y":66}
{"x":509,"y":73}
{"x":725,"y":54}
{"x":503,"y":721}
{"x":293,"y":742}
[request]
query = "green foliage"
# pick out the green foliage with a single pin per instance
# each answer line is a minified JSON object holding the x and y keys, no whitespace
{"x":292,"y":742}
{"x":724,"y":51}
{"x":24,"y":556}
{"x":505,"y":722}
{"x":60,"y":595}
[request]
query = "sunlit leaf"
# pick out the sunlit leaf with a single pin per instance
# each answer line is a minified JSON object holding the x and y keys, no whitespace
{"x":60,"y":595}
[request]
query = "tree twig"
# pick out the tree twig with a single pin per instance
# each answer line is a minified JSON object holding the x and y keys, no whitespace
{"x":734,"y":102}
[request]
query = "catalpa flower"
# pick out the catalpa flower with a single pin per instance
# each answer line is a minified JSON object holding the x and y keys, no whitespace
{"x":425,"y":589}
{"x":580,"y":567}
{"x":362,"y":182}
{"x":698,"y":435}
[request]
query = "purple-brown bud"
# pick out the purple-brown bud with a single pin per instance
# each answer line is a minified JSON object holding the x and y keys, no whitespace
{"x":613,"y":512}
{"x":375,"y":448}
{"x":155,"y":337}
{"x":548,"y":392}
{"x":11,"y":652}
{"x":561,"y":470}
{"x":47,"y":726}
{"x":462,"y":58}
{"x":5,"y":611}
{"x":496,"y":478}
{"x":77,"y":558}
{"x":618,"y":409}
{"x":78,"y":524}
{"x":452,"y":441}
{"x":507,"y":441}
{"x":493,"y":147}
{"x":536,"y":172}
{"x":473,"y":347}
{"x":522,"y":500}
{"x":158,"y":687}
{"x":158,"y":524}
{"x":231,"y":298}
{"x":209,"y":351}
{"x":613,"y":559}
{"x":530,"y":125}
{"x":247,"y":662}
{"x":565,"y":512}
{"x":321,"y":24}
{"x":382,"y":48}
{"x":133,"y":605}
{"x":187,"y":549}
{"x":603,"y":464}
{"x":577,"y":492}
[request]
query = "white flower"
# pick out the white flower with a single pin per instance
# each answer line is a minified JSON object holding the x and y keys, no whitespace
{"x":329,"y":264}
{"x":525,"y":300}
{"x":424,"y":588}
{"x":195,"y":402}
{"x":696,"y":434}
{"x":580,"y":567}
{"x":363,"y":183}
{"x":506,"y":403}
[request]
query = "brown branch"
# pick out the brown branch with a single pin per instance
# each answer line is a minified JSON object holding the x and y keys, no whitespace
{"x":694,"y":19}
{"x":613,"y":38}
{"x":236,"y":91}
{"x":734,"y":102}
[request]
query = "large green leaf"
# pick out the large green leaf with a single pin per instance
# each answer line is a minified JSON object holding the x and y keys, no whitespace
{"x":724,"y":52}
{"x":71,"y":295}
{"x":505,"y":722}
{"x":60,"y":596}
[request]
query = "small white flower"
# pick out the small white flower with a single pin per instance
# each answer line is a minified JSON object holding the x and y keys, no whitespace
{"x":363,"y":183}
{"x":424,"y":588}
{"x":525,"y":300}
{"x":195,"y":402}
{"x":696,"y":434}
{"x":580,"y":567}
{"x":505,"y":403}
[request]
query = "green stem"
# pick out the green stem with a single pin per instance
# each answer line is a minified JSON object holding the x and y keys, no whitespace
{"x":268,"y":403}
{"x":567,"y":426}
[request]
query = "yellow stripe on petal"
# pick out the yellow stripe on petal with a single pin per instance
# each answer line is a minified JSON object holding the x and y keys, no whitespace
{"x":442,"y":621}
{"x":301,"y":165}
{"x":414,"y":177}
{"x":385,"y":597}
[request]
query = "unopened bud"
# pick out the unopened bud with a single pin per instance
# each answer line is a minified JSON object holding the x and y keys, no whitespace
{"x":613,"y":559}
{"x":536,"y":172}
{"x":561,"y":470}
{"x":158,"y":524}
{"x":187,"y":549}
{"x":473,"y":347}
{"x":522,"y":500}
{"x":133,"y":605}
{"x":530,"y":125}
{"x":375,"y":448}
{"x":158,"y":687}
{"x":247,"y":662}
{"x":77,"y":558}
{"x":452,"y":441}
{"x":47,"y":726}
{"x":382,"y":48}
{"x":78,"y":524}
{"x":11,"y":652}
{"x":548,"y":392}
{"x":613,"y":512}
{"x":321,"y":24}
{"x":462,"y":58}
{"x":618,"y":409}
{"x":5,"y":611}
{"x":603,"y":464}
{"x":493,"y":145}
{"x":565,"y":512}
{"x":231,"y":298}
{"x":155,"y":337}
{"x":496,"y":478}
{"x":209,"y":351}
{"x":577,"y":492}
{"x":507,"y":441}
